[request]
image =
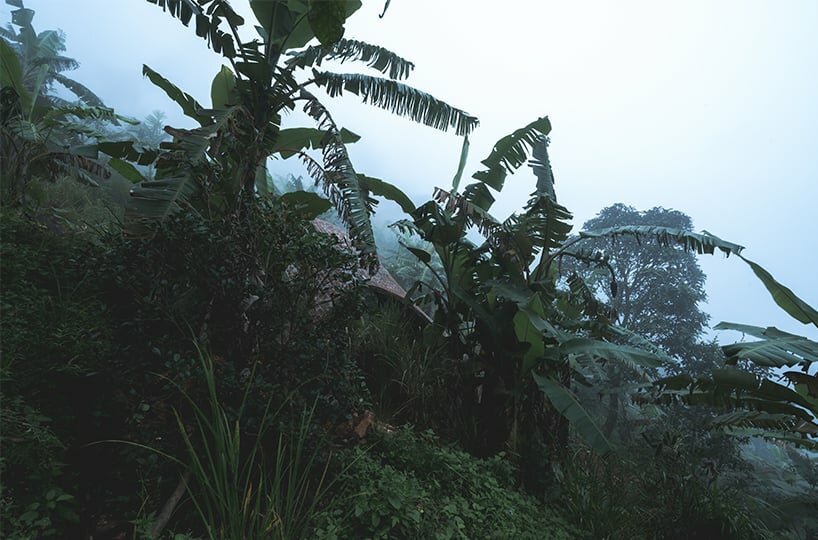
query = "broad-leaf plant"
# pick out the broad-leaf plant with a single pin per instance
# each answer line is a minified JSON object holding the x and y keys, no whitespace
{"x":219,"y":166}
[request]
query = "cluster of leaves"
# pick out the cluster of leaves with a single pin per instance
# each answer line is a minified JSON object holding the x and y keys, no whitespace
{"x":41,"y":135}
{"x":526,"y":338}
{"x":666,"y":491}
{"x":265,"y":294}
{"x":91,"y":328}
{"x":409,"y":380}
{"x":408,"y":485}
{"x":217,"y":167}
{"x":55,"y":335}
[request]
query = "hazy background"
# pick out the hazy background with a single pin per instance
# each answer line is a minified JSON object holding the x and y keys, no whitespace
{"x":705,"y":107}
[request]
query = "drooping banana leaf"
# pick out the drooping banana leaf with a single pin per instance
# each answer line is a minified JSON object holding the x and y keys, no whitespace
{"x":776,"y":348}
{"x":750,"y":385}
{"x":207,"y":21}
{"x":188,"y":103}
{"x":633,"y":358}
{"x":784,"y":297}
{"x":668,"y":236}
{"x":567,"y":405}
{"x":399,"y":99}
{"x":391,"y":192}
{"x":340,"y":181}
{"x":510,"y":152}
{"x":291,"y":141}
{"x":350,"y":50}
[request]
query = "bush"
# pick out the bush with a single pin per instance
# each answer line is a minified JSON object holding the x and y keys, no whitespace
{"x":668,"y":496}
{"x":410,"y":486}
{"x":98,"y":333}
{"x":55,"y":336}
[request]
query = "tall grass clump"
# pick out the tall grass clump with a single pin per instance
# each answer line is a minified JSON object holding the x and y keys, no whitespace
{"x":239,"y":487}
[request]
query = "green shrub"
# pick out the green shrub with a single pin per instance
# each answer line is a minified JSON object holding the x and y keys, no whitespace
{"x":407,"y":377}
{"x":411,"y":486}
{"x":96,"y":337}
{"x":55,"y":336}
{"x":666,"y":496}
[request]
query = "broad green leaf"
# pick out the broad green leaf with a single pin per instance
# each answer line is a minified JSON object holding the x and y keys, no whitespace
{"x":310,"y":204}
{"x":126,"y":170}
{"x":567,"y":405}
{"x":375,"y":57}
{"x":668,"y":236}
{"x":526,"y":332}
{"x":293,"y":140}
{"x":11,"y":74}
{"x":388,"y":191}
{"x":510,"y":152}
{"x":286,"y":24}
{"x":188,"y":104}
{"x":784,"y":297}
{"x":222,"y":89}
{"x":399,"y":99}
{"x":422,"y":255}
{"x":464,"y":154}
{"x":258,"y":72}
{"x":326,"y":20}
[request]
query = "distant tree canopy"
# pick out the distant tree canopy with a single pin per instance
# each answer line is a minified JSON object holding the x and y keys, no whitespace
{"x":657,"y":289}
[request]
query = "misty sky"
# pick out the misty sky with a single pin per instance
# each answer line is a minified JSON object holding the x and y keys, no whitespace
{"x":705,"y":107}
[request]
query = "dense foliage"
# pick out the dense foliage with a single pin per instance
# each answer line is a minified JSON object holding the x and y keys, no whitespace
{"x":193,"y":359}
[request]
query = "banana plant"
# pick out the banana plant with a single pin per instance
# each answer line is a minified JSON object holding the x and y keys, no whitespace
{"x":41,"y":139}
{"x":42,"y":62}
{"x":526,"y":335}
{"x":785,"y":410}
{"x":215,"y":168}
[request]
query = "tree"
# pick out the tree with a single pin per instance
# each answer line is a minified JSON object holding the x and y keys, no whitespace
{"x":523,"y":339}
{"x":654,"y":291}
{"x":216,"y":168}
{"x":41,"y":60}
{"x":39,"y":139}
